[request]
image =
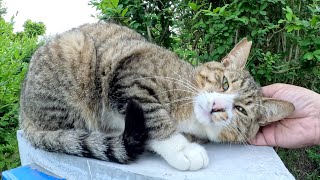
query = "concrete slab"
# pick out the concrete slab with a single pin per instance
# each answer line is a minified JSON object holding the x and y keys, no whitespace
{"x":227,"y":162}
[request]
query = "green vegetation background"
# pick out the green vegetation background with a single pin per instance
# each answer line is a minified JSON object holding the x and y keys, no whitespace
{"x":286,"y":48}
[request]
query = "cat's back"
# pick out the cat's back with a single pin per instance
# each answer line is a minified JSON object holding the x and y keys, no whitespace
{"x":73,"y":58}
{"x":66,"y":70}
{"x":108,"y":33}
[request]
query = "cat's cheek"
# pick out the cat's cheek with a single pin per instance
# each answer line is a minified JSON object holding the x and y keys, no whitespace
{"x":219,"y":117}
{"x":202,"y":117}
{"x":253,"y":131}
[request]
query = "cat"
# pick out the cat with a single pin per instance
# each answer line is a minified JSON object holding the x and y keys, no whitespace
{"x":103,"y":91}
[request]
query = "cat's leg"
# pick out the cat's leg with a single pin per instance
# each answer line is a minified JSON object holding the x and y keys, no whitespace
{"x":163,"y":136}
{"x":173,"y":146}
{"x":180,"y":153}
{"x":195,"y":139}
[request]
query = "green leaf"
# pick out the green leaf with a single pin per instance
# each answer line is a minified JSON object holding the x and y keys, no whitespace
{"x":290,"y":27}
{"x":317,"y":57}
{"x":244,"y":19}
{"x":124,"y":12}
{"x":221,"y":49}
{"x":314,"y":21}
{"x":253,"y":32}
{"x":254,"y":20}
{"x":289,"y":10}
{"x":216,"y":10}
{"x":308,"y":56}
{"x":223,"y":8}
{"x":3,"y":123}
{"x":114,"y":3}
{"x":193,"y":6}
{"x":316,"y":52}
{"x":263,"y":13}
{"x":263,"y":6}
{"x":289,"y":16}
{"x":2,"y":164}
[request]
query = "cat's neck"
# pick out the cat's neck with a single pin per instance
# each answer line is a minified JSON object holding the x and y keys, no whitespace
{"x":194,"y":127}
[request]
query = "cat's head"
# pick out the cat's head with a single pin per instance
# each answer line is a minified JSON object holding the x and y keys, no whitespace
{"x":230,"y":103}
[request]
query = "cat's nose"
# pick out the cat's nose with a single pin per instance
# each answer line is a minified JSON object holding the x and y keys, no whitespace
{"x":217,"y":107}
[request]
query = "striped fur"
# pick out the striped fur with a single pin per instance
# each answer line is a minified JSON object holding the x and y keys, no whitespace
{"x":102,"y":91}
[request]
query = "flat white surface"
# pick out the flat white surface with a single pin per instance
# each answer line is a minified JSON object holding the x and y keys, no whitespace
{"x":226,"y":162}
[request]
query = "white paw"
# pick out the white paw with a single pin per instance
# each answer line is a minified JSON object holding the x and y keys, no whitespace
{"x":180,"y":153}
{"x":191,"y":157}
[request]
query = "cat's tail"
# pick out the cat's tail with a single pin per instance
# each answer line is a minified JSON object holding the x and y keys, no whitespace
{"x":120,"y":149}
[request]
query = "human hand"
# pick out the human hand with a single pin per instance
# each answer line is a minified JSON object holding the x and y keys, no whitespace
{"x":301,"y":128}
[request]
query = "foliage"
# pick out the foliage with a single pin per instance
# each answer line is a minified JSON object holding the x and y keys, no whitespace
{"x":150,"y":18}
{"x":15,"y":52}
{"x":34,"y":29}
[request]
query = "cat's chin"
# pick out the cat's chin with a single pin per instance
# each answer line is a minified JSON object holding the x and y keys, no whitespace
{"x":205,"y":118}
{"x":202,"y":115}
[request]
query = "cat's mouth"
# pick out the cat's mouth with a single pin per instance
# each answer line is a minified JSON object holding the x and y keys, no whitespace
{"x":212,"y":109}
{"x":214,"y":115}
{"x":217,"y":110}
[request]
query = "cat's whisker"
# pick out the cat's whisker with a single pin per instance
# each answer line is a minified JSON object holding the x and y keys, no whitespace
{"x":240,"y":133}
{"x":244,"y":139}
{"x":186,"y":104}
{"x":189,"y":84}
{"x":174,"y":80}
{"x":186,"y":80}
{"x":177,"y":90}
{"x":170,"y":79}
{"x":179,"y":100}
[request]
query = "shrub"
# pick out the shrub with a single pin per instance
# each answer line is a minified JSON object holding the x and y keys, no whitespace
{"x":15,"y":52}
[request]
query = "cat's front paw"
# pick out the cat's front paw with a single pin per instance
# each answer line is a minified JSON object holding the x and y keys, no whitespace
{"x":191,"y":157}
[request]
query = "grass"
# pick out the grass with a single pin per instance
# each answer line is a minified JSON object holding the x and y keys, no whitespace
{"x":303,"y":163}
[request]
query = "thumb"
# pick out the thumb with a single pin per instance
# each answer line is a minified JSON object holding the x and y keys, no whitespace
{"x":265,"y":137}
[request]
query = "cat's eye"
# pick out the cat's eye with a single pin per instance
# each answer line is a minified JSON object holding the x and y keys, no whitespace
{"x":241,"y":109}
{"x":225,"y":83}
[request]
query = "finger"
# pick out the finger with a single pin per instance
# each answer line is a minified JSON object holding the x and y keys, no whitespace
{"x":266,"y":137}
{"x":259,"y":140}
{"x":270,"y":90}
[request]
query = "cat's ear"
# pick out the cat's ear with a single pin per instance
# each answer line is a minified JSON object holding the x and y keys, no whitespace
{"x":237,"y":57}
{"x":275,"y":110}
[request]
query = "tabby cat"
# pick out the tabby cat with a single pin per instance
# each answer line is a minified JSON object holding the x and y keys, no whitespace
{"x":103,"y":91}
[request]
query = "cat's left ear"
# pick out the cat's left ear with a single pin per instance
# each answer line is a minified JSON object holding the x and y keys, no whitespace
{"x":275,"y":110}
{"x":237,"y":57}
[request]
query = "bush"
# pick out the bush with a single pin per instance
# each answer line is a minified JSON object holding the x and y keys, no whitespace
{"x":34,"y":29}
{"x":15,"y":52}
